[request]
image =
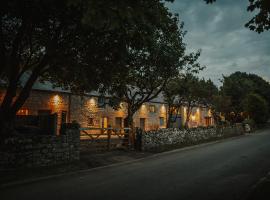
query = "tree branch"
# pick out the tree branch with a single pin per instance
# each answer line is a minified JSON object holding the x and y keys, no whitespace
{"x":24,"y":94}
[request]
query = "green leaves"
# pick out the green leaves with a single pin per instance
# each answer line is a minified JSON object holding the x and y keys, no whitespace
{"x":256,"y":107}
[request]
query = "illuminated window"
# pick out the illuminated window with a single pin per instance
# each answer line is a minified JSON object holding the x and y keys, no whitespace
{"x":152,"y":108}
{"x":23,"y":112}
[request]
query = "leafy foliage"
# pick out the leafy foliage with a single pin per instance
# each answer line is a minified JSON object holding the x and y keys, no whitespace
{"x":190,"y":91}
{"x":150,"y":68}
{"x":238,"y":87}
{"x":80,"y":45}
{"x":257,"y":108}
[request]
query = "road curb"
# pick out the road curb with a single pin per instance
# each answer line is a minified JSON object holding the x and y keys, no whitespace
{"x":34,"y":180}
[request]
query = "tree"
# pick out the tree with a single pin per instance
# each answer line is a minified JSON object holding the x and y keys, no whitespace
{"x":174,"y":93}
{"x":150,"y":69}
{"x":239,"y":84}
{"x":261,"y":21}
{"x":189,"y":92}
{"x":257,"y":108}
{"x":72,"y":43}
{"x":172,"y":99}
{"x":220,"y":105}
{"x":237,"y":87}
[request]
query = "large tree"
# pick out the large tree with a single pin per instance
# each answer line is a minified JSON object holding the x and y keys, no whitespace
{"x":151,"y":68}
{"x":72,"y":43}
{"x":240,"y":84}
{"x":174,"y":92}
{"x":189,"y":91}
{"x":256,"y":107}
{"x":261,"y":21}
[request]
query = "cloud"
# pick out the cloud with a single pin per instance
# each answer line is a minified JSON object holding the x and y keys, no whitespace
{"x":227,"y":46}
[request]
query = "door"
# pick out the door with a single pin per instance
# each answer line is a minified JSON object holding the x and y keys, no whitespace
{"x":118,"y":122}
{"x":142,"y":123}
{"x":104,"y":122}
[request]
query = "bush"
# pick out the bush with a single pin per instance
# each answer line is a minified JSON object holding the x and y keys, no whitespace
{"x":257,"y":108}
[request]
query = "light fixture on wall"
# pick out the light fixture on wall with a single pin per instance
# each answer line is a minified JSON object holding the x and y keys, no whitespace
{"x":193,"y":117}
{"x":163,"y":108}
{"x":92,"y":101}
{"x":56,"y":100}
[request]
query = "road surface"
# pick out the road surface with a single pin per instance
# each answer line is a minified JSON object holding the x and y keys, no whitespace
{"x":223,"y":170}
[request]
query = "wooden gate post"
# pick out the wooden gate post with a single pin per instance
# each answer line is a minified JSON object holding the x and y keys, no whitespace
{"x":132,"y":136}
{"x":109,"y":132}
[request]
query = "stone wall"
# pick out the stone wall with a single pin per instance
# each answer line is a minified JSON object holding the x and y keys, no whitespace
{"x":155,"y":140}
{"x":22,"y":151}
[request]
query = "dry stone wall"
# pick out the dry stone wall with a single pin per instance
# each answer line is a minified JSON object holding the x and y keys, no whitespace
{"x":155,"y":140}
{"x":22,"y":151}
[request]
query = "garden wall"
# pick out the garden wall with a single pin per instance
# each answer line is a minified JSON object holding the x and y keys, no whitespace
{"x":39,"y":150}
{"x":162,"y":138}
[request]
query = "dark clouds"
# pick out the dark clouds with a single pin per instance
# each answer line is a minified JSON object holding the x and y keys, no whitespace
{"x":227,"y":46}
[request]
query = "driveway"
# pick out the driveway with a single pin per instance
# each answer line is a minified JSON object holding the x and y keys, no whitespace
{"x":223,"y":170}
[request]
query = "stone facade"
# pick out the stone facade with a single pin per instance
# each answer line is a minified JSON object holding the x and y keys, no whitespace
{"x":154,"y":140}
{"x":22,"y":151}
{"x":88,"y":111}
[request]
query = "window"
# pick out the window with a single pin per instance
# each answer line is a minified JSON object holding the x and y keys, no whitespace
{"x":22,"y":112}
{"x":161,"y":121}
{"x":90,"y":121}
{"x":152,"y":108}
{"x":142,"y":123}
{"x":101,"y":102}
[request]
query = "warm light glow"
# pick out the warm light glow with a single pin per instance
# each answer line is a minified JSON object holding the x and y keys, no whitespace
{"x":193,"y":117}
{"x":22,"y":112}
{"x":163,"y":108}
{"x":198,"y":110}
{"x":121,"y":105}
{"x":92,"y":101}
{"x":209,"y":113}
{"x":56,"y":99}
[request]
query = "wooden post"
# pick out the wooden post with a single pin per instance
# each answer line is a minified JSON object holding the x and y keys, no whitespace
{"x":109,"y":132}
{"x":132,"y":136}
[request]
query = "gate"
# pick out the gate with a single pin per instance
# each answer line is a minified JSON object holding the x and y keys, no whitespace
{"x":105,"y":139}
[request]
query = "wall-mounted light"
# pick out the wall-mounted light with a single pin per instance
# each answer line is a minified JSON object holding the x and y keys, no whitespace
{"x":92,"y":101}
{"x":56,"y":100}
{"x":163,"y":108}
{"x":193,"y":117}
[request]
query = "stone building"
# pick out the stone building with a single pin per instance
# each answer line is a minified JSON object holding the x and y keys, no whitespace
{"x":93,"y":110}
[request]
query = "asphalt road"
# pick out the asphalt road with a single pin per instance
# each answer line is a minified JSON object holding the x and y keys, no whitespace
{"x":224,"y":170}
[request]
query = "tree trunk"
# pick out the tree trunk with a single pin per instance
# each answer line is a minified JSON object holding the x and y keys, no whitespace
{"x":128,"y":122}
{"x":168,"y":125}
{"x":7,"y":121}
{"x":188,"y":117}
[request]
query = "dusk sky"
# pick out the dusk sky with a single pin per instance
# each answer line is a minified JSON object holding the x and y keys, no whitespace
{"x":227,"y":46}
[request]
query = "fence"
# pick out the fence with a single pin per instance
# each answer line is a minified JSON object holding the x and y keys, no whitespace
{"x":100,"y":139}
